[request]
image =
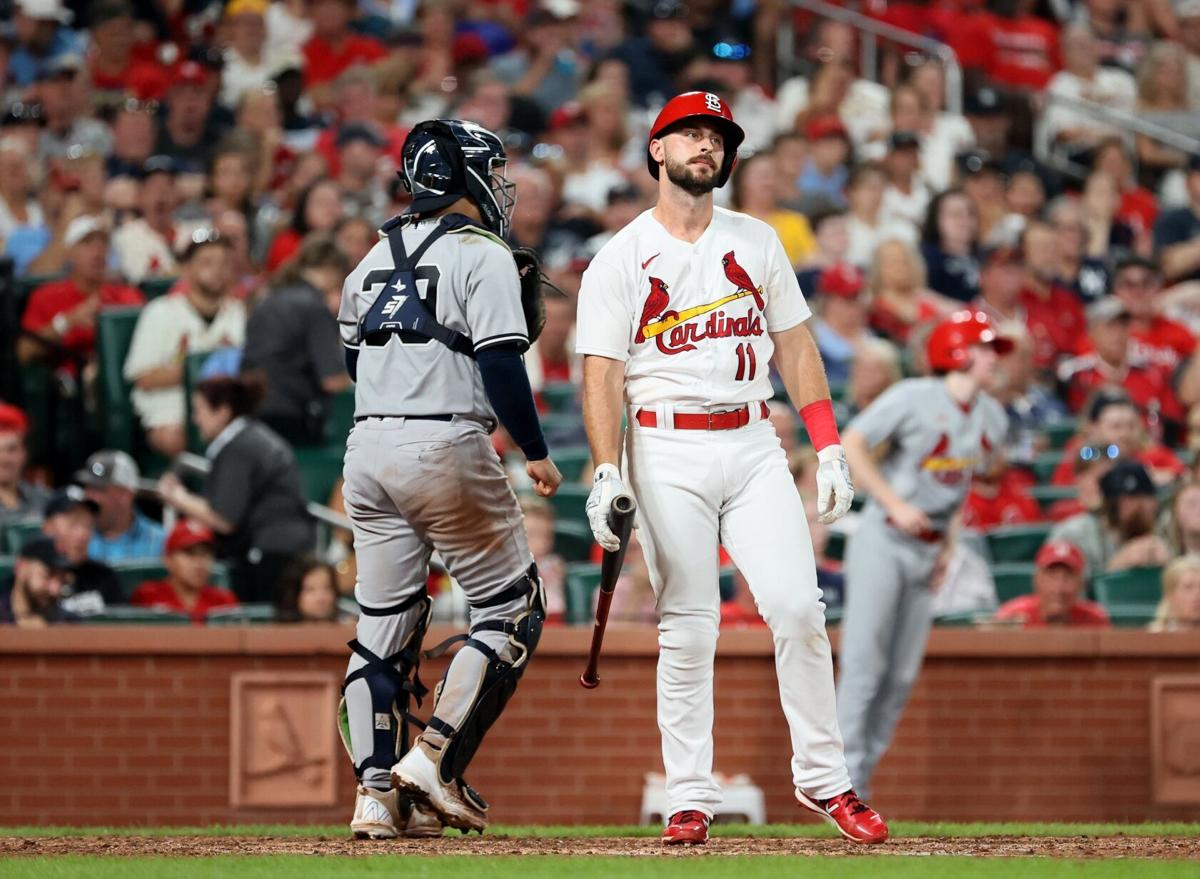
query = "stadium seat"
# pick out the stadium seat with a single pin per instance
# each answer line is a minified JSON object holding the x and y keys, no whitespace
{"x":1059,"y":433}
{"x":568,"y":503}
{"x":127,"y":615}
{"x":242,"y":614}
{"x":1044,"y":466}
{"x":1132,"y":616}
{"x":341,"y":418}
{"x":114,"y":332}
{"x":833,"y":615}
{"x":320,"y":467}
{"x":1133,"y":586}
{"x":582,"y":580}
{"x":1048,"y":495}
{"x":7,"y":563}
{"x":961,"y":618}
{"x":155,"y":287}
{"x":726,"y":584}
{"x":220,"y":576}
{"x":192,"y":365}
{"x":1012,"y":579}
{"x":137,"y":571}
{"x":571,"y":460}
{"x":18,"y":533}
{"x":1016,"y":543}
{"x":836,"y":546}
{"x":573,"y":541}
{"x":561,"y":397}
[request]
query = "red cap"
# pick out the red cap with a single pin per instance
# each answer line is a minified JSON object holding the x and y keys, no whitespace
{"x":469,"y":48}
{"x":188,"y":533}
{"x":842,"y":280}
{"x":1060,"y":552}
{"x":825,"y":126}
{"x":948,"y":346}
{"x":568,"y":114}
{"x":12,"y":419}
{"x":190,"y":73}
{"x":704,"y":105}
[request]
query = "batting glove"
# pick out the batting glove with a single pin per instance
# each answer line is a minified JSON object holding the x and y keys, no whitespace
{"x":835,"y":490}
{"x":606,"y":485}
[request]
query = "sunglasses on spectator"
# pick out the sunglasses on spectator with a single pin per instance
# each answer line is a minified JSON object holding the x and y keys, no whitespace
{"x":1090,"y":454}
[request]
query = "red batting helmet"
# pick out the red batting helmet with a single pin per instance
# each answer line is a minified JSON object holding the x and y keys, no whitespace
{"x":950,"y":342}
{"x":690,"y":105}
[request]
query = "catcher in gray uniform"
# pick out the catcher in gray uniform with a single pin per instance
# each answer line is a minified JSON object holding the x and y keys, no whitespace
{"x":434,"y":320}
{"x":913,"y":450}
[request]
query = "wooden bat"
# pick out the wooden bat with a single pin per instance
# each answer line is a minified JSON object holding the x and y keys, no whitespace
{"x":620,"y":520}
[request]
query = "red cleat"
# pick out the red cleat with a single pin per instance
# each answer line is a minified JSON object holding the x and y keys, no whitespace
{"x":853,"y":818}
{"x":688,"y":827}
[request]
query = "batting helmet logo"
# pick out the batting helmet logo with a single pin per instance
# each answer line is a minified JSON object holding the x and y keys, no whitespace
{"x":949,"y":345}
{"x":702,"y":106}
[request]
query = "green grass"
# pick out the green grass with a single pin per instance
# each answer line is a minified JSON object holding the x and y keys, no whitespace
{"x":813,"y":831}
{"x":416,"y":867}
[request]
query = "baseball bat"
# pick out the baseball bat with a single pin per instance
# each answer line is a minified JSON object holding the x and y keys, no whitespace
{"x":620,"y":520}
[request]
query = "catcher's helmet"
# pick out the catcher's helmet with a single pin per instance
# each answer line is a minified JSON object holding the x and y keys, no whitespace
{"x":712,"y":109}
{"x":949,"y":345}
{"x":444,"y":160}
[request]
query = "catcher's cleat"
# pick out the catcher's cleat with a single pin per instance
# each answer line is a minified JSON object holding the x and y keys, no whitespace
{"x":416,"y":776}
{"x":377,"y":814}
{"x":422,"y":823}
{"x":688,"y":827}
{"x":853,"y":818}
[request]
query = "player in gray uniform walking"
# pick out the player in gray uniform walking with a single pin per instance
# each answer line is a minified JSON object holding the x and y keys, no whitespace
{"x":913,"y":451}
{"x":434,"y":320}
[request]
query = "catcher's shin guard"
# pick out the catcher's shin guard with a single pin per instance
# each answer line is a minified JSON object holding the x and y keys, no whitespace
{"x":391,"y":681}
{"x":484,"y":675}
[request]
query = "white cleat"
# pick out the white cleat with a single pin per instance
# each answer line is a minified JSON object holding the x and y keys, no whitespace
{"x":416,"y":776}
{"x":423,"y":824}
{"x":377,"y":814}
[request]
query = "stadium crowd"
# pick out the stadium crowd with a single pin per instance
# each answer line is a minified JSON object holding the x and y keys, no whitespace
{"x":185,"y":183}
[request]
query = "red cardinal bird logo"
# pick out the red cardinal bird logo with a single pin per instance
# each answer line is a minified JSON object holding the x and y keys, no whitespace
{"x":656,"y":304}
{"x":737,"y":275}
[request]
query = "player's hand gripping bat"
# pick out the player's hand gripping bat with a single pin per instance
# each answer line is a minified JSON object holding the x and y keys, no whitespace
{"x":620,"y":520}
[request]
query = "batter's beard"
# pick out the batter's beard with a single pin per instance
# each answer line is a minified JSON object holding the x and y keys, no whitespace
{"x":689,"y":180}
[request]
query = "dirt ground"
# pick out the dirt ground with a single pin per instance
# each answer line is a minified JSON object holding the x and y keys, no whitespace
{"x":204,"y":846}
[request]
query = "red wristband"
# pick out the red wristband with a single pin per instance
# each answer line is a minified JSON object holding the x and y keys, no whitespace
{"x":820,"y":424}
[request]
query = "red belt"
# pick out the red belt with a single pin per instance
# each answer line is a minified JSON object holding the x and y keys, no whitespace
{"x":727,"y":420}
{"x":929,"y":535}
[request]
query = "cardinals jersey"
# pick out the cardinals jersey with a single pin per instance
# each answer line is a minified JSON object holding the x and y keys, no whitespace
{"x":690,"y":321}
{"x":932,"y":444}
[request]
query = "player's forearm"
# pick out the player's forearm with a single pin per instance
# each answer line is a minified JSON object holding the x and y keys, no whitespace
{"x":507,"y":386}
{"x":603,"y":391}
{"x":866,"y":474}
{"x":799,"y":364}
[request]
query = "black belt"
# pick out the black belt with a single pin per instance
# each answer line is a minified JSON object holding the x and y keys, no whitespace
{"x":409,"y":417}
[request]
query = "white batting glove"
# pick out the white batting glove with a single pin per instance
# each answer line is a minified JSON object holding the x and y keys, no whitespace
{"x":606,"y":485}
{"x":835,"y":490}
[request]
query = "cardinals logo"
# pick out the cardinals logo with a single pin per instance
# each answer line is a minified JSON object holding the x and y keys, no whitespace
{"x":736,"y":274}
{"x":676,"y":331}
{"x":945,"y":469}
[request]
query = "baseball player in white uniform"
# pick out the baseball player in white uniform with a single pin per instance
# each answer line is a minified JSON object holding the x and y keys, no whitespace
{"x":914,"y":450}
{"x":680,"y":316}
{"x":434,"y":320}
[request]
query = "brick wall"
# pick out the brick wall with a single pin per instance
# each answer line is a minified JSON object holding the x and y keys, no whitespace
{"x":131,"y":726}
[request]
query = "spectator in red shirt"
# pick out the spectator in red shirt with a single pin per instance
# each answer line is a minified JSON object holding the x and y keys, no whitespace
{"x":333,"y":47}
{"x":116,"y":61}
{"x":1057,"y":587}
{"x":189,"y":561}
{"x":1137,"y":282}
{"x":1053,"y":316}
{"x":1139,"y":207}
{"x":996,"y":499}
{"x":1000,"y":286}
{"x":1024,"y":48}
{"x":1116,"y":362}
{"x":318,"y":209}
{"x":1114,"y":429}
{"x":63,"y":313}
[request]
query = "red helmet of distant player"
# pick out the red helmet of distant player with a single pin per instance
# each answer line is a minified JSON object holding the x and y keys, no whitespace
{"x":949,"y":345}
{"x":702,"y":107}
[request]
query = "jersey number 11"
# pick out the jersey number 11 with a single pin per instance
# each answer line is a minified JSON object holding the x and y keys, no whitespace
{"x":746,"y":362}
